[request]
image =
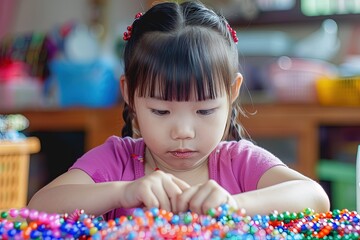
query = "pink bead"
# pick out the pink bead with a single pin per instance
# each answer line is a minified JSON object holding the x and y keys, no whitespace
{"x":9,"y":225}
{"x":43,"y":217}
{"x":56,"y":233}
{"x":13,"y":213}
{"x":24,"y":212}
{"x":55,"y":224}
{"x":33,"y":215}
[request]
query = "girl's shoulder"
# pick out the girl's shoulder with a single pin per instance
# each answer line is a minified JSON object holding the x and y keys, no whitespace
{"x":125,"y":145}
{"x":237,"y":147}
{"x":244,"y":150}
{"x":113,"y":159}
{"x":238,"y":165}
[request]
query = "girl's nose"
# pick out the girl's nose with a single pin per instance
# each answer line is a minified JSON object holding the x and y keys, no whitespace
{"x":182,"y":130}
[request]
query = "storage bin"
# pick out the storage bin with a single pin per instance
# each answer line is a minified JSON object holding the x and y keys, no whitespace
{"x":293,"y":79}
{"x":14,"y":171}
{"x":339,"y":91}
{"x":85,"y":84}
{"x":342,"y":177}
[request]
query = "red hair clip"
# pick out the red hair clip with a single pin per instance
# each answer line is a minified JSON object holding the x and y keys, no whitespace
{"x":127,"y":35}
{"x":233,"y":33}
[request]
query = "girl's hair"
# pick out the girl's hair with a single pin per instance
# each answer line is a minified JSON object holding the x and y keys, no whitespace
{"x":176,"y":49}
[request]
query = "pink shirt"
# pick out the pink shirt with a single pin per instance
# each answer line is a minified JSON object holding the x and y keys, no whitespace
{"x":236,"y":166}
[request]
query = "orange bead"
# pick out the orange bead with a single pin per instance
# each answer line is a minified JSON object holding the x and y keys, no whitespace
{"x":33,"y":225}
{"x":26,"y":233}
{"x":122,"y":219}
{"x":111,"y":223}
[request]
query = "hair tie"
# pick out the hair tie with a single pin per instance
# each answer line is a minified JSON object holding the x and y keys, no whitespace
{"x":233,"y":33}
{"x":127,"y":35}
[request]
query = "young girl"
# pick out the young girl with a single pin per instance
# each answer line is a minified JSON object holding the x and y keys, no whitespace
{"x":181,"y":86}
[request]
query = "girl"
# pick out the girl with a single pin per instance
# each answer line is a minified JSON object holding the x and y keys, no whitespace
{"x":181,"y":86}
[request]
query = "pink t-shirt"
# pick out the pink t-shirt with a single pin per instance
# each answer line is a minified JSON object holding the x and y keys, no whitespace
{"x":236,"y":166}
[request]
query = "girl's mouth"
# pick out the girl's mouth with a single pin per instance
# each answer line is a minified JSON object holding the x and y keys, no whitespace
{"x":183,"y":154}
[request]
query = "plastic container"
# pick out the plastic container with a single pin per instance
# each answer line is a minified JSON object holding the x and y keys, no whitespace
{"x":342,"y":177}
{"x":14,"y":171}
{"x":85,"y":84}
{"x":339,"y":91}
{"x":293,"y":79}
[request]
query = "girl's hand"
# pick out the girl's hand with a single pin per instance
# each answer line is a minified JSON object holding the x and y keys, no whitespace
{"x":159,"y":189}
{"x":200,"y":198}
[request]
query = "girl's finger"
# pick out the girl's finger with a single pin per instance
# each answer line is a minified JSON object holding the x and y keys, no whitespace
{"x":199,"y":198}
{"x":149,"y":198}
{"x":181,"y":184}
{"x":214,"y":199}
{"x":162,"y":196}
{"x":172,"y":191}
{"x":183,"y":200}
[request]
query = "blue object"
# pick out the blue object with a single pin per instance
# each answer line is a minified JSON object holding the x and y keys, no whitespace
{"x":85,"y":84}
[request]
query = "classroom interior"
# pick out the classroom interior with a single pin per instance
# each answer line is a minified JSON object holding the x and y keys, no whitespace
{"x":60,"y":64}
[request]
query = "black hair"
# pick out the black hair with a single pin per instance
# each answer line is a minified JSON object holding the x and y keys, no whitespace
{"x":176,"y":48}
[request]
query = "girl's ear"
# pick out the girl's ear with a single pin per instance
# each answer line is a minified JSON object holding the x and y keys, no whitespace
{"x":124,"y":89}
{"x":235,"y":87}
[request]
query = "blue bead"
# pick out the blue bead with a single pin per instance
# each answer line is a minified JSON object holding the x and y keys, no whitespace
{"x":155,"y":211}
{"x":138,"y":212}
{"x":35,"y":234}
{"x":132,"y":235}
{"x":175,"y":219}
{"x":11,"y":232}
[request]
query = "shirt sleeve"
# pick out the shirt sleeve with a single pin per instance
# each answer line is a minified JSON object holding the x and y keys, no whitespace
{"x":105,"y":162}
{"x":250,"y":162}
{"x":238,"y":166}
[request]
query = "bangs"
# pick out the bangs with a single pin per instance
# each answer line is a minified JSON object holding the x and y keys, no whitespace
{"x":175,"y":67}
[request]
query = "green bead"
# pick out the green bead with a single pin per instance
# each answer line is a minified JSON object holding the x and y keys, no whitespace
{"x":17,"y":225}
{"x":308,"y":211}
{"x":273,"y":216}
{"x":280,"y":217}
{"x":4,"y":214}
{"x":293,"y":216}
{"x":188,"y":218}
{"x":300,"y":215}
{"x":211,"y":212}
{"x":355,"y":235}
{"x":253,"y":230}
{"x":336,"y":212}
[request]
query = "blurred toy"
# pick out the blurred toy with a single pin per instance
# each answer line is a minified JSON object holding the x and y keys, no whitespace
{"x":11,"y":126}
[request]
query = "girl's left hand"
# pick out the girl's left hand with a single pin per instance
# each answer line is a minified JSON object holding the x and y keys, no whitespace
{"x":200,"y":198}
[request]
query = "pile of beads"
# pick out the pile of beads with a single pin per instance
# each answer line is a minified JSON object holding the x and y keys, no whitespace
{"x":219,"y":223}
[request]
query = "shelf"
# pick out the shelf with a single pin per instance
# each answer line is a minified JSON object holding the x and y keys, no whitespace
{"x":299,"y":121}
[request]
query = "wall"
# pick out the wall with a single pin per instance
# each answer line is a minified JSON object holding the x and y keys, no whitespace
{"x":43,"y":15}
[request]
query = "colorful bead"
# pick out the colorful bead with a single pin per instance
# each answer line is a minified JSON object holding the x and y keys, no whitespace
{"x":219,"y":223}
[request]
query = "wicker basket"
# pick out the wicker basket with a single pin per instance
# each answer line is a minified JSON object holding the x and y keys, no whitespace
{"x":14,"y":171}
{"x":343,"y":91}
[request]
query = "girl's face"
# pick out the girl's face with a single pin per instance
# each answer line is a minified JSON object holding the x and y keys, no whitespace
{"x":181,"y":135}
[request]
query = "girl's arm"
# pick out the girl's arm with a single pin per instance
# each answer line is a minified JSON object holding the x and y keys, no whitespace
{"x":283,"y":189}
{"x":76,"y":190}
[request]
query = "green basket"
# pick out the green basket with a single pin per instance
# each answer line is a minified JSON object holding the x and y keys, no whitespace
{"x":342,"y":177}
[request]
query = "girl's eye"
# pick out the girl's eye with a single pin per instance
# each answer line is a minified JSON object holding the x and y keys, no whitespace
{"x":160,"y":112}
{"x":206,"y":111}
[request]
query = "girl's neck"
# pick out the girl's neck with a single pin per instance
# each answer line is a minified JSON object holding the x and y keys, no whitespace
{"x":195,"y":175}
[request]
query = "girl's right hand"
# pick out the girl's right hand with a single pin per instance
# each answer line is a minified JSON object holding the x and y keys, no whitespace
{"x":159,"y":189}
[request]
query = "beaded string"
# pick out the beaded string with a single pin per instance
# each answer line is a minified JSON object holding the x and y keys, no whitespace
{"x":219,"y":223}
{"x":142,"y":160}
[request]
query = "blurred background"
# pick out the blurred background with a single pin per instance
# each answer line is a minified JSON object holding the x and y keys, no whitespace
{"x":60,"y":63}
